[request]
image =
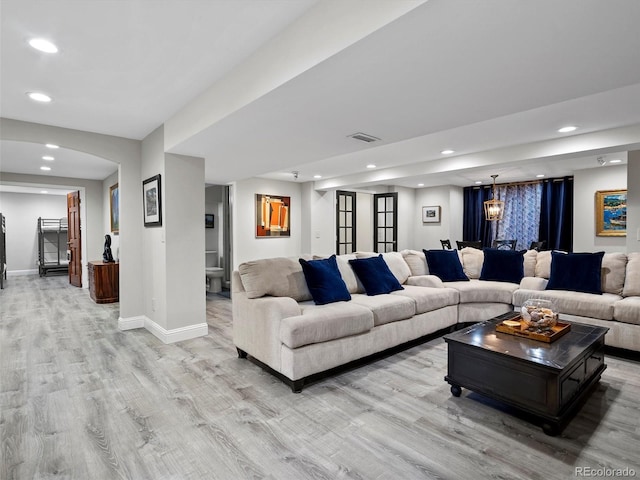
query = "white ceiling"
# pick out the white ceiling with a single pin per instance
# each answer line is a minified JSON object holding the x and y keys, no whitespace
{"x":471,"y":76}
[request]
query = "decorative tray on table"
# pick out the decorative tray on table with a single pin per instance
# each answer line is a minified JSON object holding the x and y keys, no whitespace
{"x":519,"y":328}
{"x":538,"y":320}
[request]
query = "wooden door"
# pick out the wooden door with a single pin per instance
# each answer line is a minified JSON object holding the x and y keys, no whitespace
{"x":345,"y":222}
{"x":74,"y":242}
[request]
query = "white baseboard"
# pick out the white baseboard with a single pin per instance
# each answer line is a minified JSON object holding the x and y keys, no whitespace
{"x":131,"y":322}
{"x":19,"y":273}
{"x":166,"y":336}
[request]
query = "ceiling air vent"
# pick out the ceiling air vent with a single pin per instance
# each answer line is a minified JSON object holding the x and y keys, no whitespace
{"x":364,"y":137}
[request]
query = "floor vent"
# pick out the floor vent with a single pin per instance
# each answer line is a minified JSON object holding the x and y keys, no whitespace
{"x":364,"y":137}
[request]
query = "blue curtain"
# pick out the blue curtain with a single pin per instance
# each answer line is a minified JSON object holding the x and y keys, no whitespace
{"x":474,"y":226}
{"x":556,"y":214}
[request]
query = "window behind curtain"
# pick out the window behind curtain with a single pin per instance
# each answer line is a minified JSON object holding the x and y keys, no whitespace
{"x":521,"y":220}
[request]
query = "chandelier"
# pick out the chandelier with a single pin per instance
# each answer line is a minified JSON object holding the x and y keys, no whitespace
{"x":494,"y":208}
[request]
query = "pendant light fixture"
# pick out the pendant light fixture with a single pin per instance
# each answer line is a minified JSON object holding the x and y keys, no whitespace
{"x":494,"y":208}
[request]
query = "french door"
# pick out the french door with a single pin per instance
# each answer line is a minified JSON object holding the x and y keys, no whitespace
{"x":345,"y":222}
{"x":385,"y":220}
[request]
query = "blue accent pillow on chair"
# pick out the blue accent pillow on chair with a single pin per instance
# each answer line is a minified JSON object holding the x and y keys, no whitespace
{"x":324,"y":281}
{"x":445,"y":264}
{"x":502,"y":265}
{"x":375,"y":275}
{"x":577,"y":272}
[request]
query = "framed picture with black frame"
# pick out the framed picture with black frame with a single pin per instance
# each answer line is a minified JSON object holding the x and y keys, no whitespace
{"x":152,"y":201}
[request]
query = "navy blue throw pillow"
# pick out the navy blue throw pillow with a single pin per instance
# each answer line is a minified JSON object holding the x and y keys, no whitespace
{"x":445,"y":264}
{"x":375,"y":275}
{"x":324,"y":280}
{"x":502,"y":265}
{"x":577,"y":272}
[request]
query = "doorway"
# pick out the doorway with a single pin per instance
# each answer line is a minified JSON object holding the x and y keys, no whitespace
{"x":385,"y":222}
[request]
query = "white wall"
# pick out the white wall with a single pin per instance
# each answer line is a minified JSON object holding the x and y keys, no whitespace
{"x":153,"y":238}
{"x":245,"y":244}
{"x":428,"y":235}
{"x":406,"y":217}
{"x":585,"y":184}
{"x":364,"y":222}
{"x":22,"y":211}
{"x":106,"y":221}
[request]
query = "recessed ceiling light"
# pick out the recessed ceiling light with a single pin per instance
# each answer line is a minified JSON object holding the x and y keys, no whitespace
{"x":46,"y":169}
{"x":317,"y":176}
{"x":48,"y":158}
{"x":51,"y":145}
{"x":43,"y":45}
{"x":540,"y":175}
{"x":615,"y":160}
{"x":478,"y":182}
{"x":44,"y":191}
{"x":447,"y":151}
{"x":567,"y":129}
{"x":371,"y":165}
{"x":421,"y":184}
{"x":39,"y":97}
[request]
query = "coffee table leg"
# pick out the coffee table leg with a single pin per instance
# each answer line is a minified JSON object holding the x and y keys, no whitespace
{"x":551,"y":428}
{"x":456,"y":390}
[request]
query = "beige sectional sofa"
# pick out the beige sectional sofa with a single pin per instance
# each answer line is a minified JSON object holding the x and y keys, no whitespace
{"x":276,"y":321}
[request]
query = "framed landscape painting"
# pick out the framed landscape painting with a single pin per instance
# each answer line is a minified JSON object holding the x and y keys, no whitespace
{"x":611,"y":213}
{"x":272,"y":216}
{"x":114,"y":208}
{"x":431,"y":214}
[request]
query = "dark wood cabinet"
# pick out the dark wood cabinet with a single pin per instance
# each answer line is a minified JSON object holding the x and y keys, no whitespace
{"x":104,"y":282}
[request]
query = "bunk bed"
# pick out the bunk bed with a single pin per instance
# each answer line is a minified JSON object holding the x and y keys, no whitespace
{"x":3,"y":250}
{"x":52,"y":245}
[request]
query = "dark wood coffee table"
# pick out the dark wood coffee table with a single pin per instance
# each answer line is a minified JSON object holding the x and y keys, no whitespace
{"x":548,"y":380}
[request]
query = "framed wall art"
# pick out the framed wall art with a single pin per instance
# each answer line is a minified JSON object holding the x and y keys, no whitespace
{"x":611,"y":213}
{"x":272,"y":216}
{"x":431,"y":214}
{"x":152,"y":201}
{"x":114,"y":208}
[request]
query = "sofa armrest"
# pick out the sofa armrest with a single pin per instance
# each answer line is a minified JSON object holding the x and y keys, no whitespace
{"x":256,"y":325}
{"x":533,"y":283}
{"x":425,"y":281}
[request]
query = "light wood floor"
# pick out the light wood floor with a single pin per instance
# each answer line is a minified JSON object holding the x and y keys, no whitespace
{"x":82,"y":400}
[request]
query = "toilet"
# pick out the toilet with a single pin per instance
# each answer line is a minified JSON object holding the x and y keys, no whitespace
{"x":214,"y":279}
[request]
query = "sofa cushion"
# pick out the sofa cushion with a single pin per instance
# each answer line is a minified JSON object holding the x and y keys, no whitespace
{"x":614,"y":266}
{"x":394,"y":260}
{"x":322,"y":323}
{"x":472,"y":260}
{"x":428,"y":299}
{"x":445,"y":264}
{"x":416,"y":262}
{"x":324,"y":280}
{"x":627,"y":310}
{"x":572,"y":303}
{"x":530,"y":260}
{"x":484,"y":291}
{"x":346,"y":272}
{"x":279,"y":277}
{"x":503,"y":265}
{"x":543,"y":264}
{"x":632,"y":278}
{"x":375,"y":275}
{"x":425,"y":281}
{"x":578,"y":272}
{"x":387,"y":308}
